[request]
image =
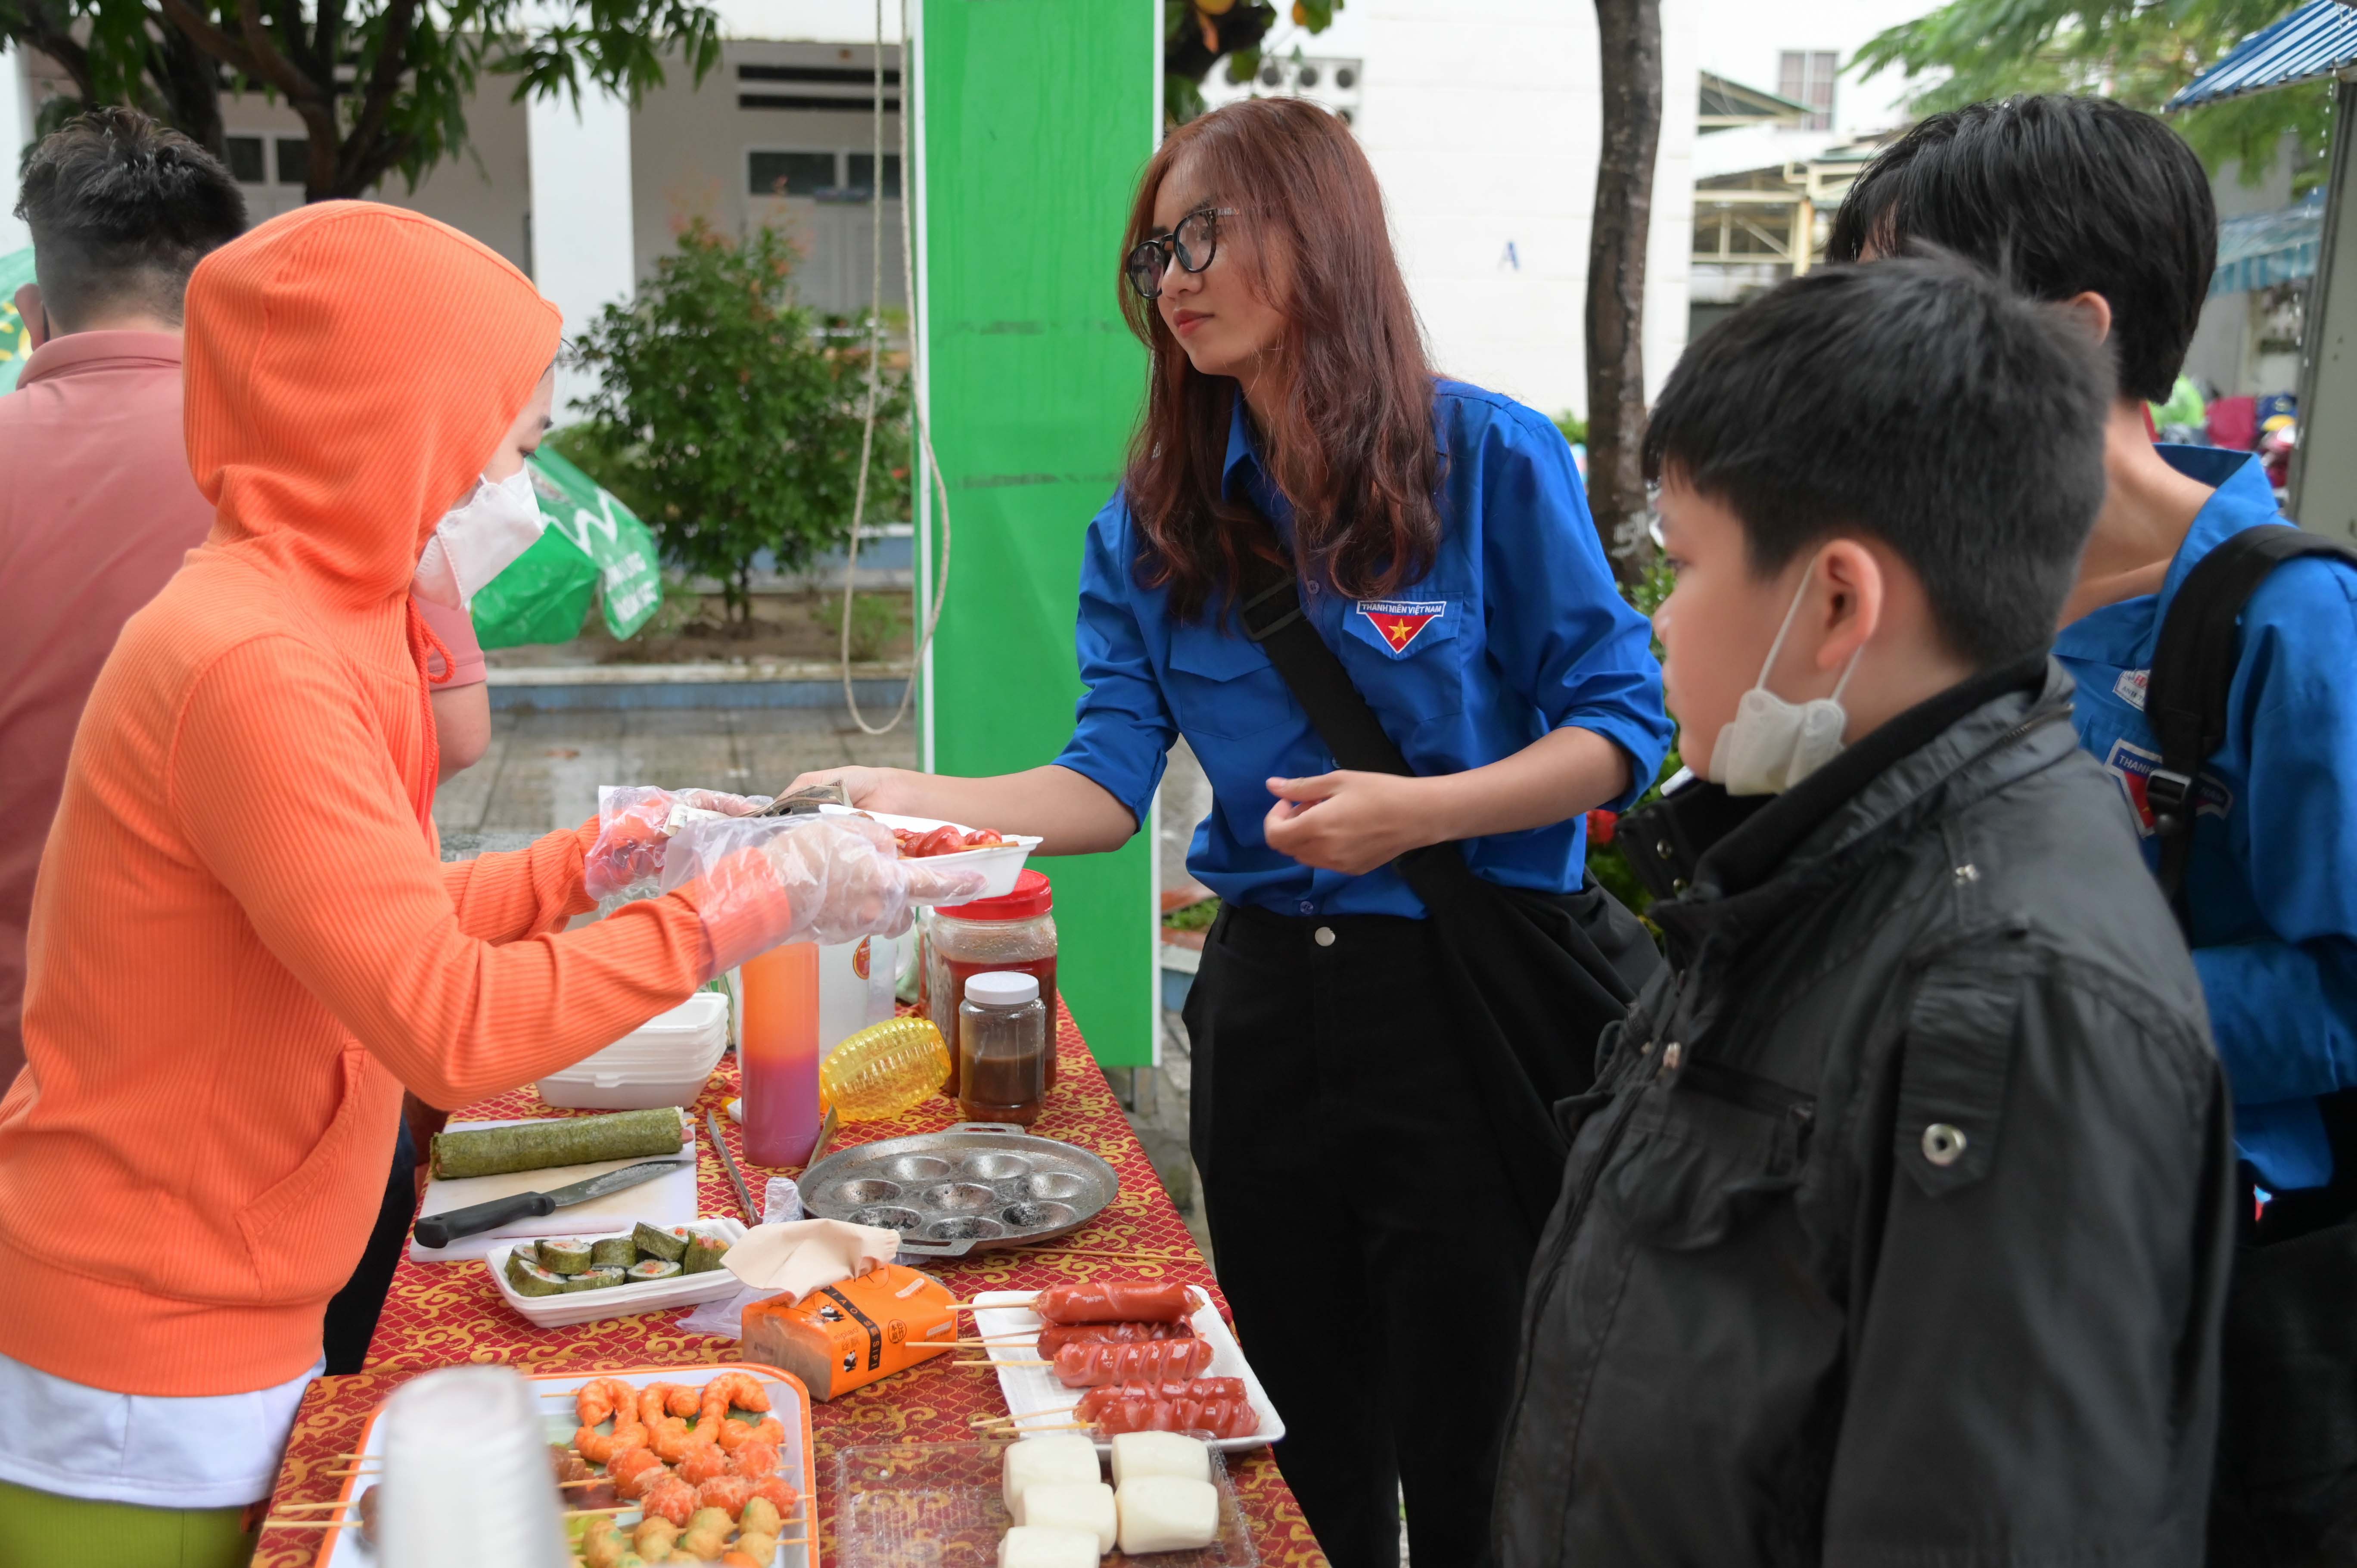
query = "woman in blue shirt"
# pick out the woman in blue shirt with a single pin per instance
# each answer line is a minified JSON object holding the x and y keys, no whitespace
{"x":1360,"y":1217}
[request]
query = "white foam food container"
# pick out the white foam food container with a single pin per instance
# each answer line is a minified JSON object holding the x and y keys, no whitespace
{"x":1032,"y":1391}
{"x":665,"y":1061}
{"x":1000,"y":863}
{"x":619,"y":1301}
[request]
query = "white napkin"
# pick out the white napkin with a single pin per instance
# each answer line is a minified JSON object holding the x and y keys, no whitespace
{"x":796,"y":1259}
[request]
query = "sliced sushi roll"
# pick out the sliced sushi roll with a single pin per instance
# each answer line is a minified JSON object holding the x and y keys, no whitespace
{"x":652,"y":1269}
{"x":613,"y":1252}
{"x":565,"y":1255}
{"x":596,"y":1279}
{"x":704,"y":1254}
{"x":655,"y":1242}
{"x":529,"y":1279}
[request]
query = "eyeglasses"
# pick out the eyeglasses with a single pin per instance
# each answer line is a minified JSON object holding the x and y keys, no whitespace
{"x":1194,"y":243}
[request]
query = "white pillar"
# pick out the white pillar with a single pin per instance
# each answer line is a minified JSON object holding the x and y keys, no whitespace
{"x":16,"y":131}
{"x":582,"y":255}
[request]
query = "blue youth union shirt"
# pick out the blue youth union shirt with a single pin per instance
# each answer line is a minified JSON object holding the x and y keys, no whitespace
{"x":1517,"y":630}
{"x":2272,"y":879}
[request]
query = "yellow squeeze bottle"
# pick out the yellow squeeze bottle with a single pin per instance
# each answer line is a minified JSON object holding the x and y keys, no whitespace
{"x":885,"y":1069}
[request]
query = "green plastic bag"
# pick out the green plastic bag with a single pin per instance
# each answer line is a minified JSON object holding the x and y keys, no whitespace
{"x":16,"y":272}
{"x":593,"y":542}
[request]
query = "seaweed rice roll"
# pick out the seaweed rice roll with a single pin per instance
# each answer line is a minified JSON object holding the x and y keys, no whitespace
{"x":652,"y":1269}
{"x":596,"y":1279}
{"x":529,"y":1279}
{"x":704,"y":1254}
{"x":566,"y":1255}
{"x":613,"y":1252}
{"x":657,"y":1243}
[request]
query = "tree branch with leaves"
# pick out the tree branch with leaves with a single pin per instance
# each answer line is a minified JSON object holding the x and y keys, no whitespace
{"x":381,"y":85}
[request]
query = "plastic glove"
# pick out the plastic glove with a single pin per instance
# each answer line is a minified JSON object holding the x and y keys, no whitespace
{"x":634,"y":831}
{"x":761,"y":884}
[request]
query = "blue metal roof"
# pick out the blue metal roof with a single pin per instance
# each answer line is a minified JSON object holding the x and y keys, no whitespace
{"x":2258,"y":249}
{"x":2314,"y":41}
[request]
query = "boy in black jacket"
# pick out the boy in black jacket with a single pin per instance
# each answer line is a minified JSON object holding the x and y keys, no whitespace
{"x":1896,"y":1228}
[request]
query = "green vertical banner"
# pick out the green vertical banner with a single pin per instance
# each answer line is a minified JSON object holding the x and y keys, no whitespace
{"x":1032,"y":119}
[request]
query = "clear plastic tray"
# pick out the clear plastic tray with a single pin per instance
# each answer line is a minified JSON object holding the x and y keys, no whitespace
{"x":940,"y":1504}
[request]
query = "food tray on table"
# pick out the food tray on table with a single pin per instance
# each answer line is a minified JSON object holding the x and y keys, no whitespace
{"x":1000,"y":863}
{"x":939,"y":1504}
{"x":622,"y":1300}
{"x":979,"y":1185}
{"x":1034,"y":1391}
{"x":788,"y":1402}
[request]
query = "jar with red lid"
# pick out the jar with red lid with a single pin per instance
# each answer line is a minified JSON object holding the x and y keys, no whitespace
{"x":1015,"y":933}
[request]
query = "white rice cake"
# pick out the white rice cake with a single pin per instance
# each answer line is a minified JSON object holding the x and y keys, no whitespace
{"x":1030,"y":1546}
{"x":1073,"y":1505}
{"x":1168,"y":1513}
{"x":1055,"y":1456}
{"x":1137,"y":1454}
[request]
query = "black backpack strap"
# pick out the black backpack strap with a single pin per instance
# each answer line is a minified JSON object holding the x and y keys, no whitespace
{"x":2193,"y":672}
{"x":1273,"y":618}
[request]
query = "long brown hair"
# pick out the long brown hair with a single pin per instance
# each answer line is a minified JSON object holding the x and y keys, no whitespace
{"x":1353,"y":446}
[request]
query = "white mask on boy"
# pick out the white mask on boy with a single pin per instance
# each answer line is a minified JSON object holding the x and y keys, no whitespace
{"x":1772,"y":744}
{"x":478,"y":539}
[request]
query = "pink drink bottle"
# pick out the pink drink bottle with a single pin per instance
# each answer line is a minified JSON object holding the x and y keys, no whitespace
{"x":781,"y":1055}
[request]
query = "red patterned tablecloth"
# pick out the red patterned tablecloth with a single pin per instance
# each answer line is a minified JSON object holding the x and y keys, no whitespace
{"x":444,"y":1314}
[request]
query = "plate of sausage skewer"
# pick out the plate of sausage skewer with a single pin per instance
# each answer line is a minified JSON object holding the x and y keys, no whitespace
{"x":1113,"y":1356}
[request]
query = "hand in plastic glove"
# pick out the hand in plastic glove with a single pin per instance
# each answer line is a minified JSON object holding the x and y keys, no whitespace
{"x":759,"y":884}
{"x":634,"y":831}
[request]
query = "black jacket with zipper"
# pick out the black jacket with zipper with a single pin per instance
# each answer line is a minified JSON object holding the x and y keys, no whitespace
{"x":1897,"y":1229}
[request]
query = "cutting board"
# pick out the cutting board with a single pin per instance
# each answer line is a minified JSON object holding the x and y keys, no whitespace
{"x":663,"y":1202}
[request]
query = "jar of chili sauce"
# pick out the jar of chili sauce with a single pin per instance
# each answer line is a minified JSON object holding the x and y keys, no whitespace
{"x":1015,"y":932}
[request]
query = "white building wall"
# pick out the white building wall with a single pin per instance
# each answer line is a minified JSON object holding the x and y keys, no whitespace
{"x":1485,"y":136}
{"x":15,"y":132}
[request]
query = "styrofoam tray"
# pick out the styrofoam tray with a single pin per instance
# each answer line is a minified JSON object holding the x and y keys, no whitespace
{"x":941,"y":1505}
{"x":1034,"y":1391}
{"x":789,"y":1401}
{"x":1000,"y":863}
{"x":619,"y":1301}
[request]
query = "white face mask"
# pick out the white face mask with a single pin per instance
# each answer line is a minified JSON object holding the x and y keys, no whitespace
{"x":1772,"y":744}
{"x":478,"y":539}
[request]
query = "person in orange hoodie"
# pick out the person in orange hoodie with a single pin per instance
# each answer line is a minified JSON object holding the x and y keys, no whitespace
{"x":243,"y":944}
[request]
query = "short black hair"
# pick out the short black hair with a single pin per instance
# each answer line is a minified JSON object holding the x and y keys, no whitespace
{"x":1919,"y":401}
{"x":122,"y":210}
{"x":2058,"y":196}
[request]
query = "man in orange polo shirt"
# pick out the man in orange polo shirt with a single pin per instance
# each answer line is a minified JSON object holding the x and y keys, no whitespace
{"x":97,"y":507}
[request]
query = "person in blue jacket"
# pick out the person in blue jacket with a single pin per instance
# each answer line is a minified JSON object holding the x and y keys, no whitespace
{"x":1364,"y":1231}
{"x":2086,"y":203}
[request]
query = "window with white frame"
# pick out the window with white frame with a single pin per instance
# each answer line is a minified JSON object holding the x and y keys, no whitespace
{"x":830,"y":175}
{"x":1806,"y":76}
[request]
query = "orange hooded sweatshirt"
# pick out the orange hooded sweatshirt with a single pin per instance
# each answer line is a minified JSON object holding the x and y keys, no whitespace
{"x":242,"y":941}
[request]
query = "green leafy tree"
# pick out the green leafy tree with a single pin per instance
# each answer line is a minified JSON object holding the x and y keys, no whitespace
{"x":381,"y":85}
{"x":2136,"y":51}
{"x":729,"y":417}
{"x":1200,"y":34}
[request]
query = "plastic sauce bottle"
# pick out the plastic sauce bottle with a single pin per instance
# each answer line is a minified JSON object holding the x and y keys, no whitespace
{"x":780,"y":1055}
{"x":885,"y":1069}
{"x":1002,"y":1048}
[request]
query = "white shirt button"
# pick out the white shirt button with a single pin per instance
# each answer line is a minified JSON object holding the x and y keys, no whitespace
{"x":1323,"y":936}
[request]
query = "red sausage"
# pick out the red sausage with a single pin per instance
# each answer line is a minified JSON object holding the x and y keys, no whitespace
{"x":1055,"y":1337}
{"x":1097,"y":1400}
{"x":1219,"y":1417}
{"x":1158,"y":1361}
{"x":1113,"y":1300}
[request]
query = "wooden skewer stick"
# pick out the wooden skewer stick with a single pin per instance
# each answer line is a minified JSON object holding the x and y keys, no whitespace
{"x":990,"y":1363}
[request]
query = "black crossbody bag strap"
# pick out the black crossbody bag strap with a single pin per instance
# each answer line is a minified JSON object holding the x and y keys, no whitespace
{"x":2192,"y":673}
{"x":1534,"y":983}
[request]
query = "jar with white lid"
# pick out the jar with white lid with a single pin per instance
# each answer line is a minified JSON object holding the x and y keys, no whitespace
{"x":1002,"y":1048}
{"x":1014,"y":932}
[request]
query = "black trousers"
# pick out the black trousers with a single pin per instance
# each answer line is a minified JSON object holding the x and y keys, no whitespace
{"x":352,"y":1311}
{"x":1363,"y":1227}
